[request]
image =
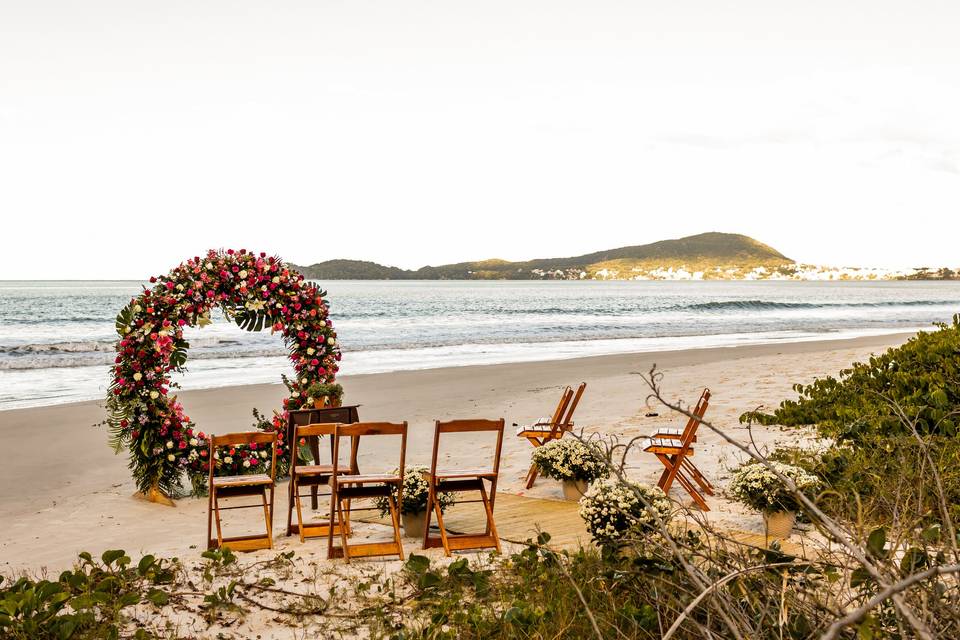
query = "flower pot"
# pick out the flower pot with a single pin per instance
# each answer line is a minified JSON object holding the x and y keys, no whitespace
{"x":779,"y":524}
{"x":326,"y":401}
{"x":413,"y":524}
{"x":574,"y":489}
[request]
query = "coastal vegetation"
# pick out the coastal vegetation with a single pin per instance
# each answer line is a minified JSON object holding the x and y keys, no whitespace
{"x":918,"y":380}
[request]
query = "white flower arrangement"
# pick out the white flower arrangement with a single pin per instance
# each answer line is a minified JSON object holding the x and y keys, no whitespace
{"x":570,"y":459}
{"x":416,"y":490}
{"x":758,"y":487}
{"x":614,"y":512}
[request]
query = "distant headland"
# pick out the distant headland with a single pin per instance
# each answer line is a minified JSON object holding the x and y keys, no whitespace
{"x":705,"y":256}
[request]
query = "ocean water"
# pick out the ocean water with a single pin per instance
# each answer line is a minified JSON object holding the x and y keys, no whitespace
{"x":56,"y":338}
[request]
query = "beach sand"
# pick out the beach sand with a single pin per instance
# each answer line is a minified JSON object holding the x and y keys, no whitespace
{"x":62,"y":489}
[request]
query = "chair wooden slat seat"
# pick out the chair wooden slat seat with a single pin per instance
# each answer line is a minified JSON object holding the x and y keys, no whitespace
{"x":369,"y":478}
{"x":463,"y":480}
{"x":665,"y":446}
{"x":670,"y":432}
{"x":315,"y":469}
{"x":239,"y":481}
{"x":542,"y":432}
{"x":464,"y":473}
{"x":539,"y":429}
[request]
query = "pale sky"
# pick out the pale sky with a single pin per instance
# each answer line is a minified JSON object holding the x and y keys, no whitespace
{"x":135,"y":134}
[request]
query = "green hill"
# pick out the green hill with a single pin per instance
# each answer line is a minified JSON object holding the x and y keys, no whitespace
{"x":717,"y":255}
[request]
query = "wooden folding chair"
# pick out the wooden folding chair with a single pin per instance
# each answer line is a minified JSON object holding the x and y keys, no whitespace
{"x":313,"y":476}
{"x":674,"y":448}
{"x":328,"y":415}
{"x":348,"y":487}
{"x":237,"y":486}
{"x":457,"y":480}
{"x":540,"y":433}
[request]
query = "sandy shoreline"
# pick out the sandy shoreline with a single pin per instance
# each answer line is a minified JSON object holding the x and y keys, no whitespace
{"x":62,"y":490}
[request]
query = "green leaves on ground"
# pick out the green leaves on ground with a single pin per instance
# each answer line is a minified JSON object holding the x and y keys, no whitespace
{"x":85,"y":602}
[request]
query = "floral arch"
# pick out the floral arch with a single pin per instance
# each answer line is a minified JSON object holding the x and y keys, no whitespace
{"x":255,"y":291}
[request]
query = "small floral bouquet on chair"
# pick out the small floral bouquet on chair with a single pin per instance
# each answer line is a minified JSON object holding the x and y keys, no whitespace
{"x":413,"y":509}
{"x":574,"y":463}
{"x":615,"y":511}
{"x":758,"y":487}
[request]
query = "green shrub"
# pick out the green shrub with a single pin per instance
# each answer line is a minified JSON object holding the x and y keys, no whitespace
{"x":872,"y":481}
{"x":921,"y":377}
{"x":85,"y":602}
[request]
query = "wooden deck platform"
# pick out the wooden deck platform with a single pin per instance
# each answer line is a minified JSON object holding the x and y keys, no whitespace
{"x":520,"y":518}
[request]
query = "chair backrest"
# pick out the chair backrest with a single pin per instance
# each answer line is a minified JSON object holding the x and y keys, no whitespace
{"x":693,"y":422}
{"x":318,"y":429}
{"x":466,"y":426}
{"x":361,"y":429}
{"x":562,"y":406}
{"x":244,"y":437}
{"x":305,"y":431}
{"x":568,"y":419}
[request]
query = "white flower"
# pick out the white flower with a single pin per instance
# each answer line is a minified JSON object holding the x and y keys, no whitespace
{"x":154,"y":395}
{"x":246,"y":464}
{"x":243,"y":274}
{"x":415,"y":493}
{"x":193,"y":442}
{"x":311,"y":351}
{"x":209,"y":265}
{"x":171,"y":457}
{"x":276,"y":280}
{"x":228,"y":460}
{"x":757,"y":486}
{"x":613,"y":510}
{"x":137,"y":308}
{"x":295,"y":394}
{"x":137,"y":376}
{"x":570,"y":459}
{"x":263,"y":454}
{"x":331,"y":341}
{"x":169,"y":444}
